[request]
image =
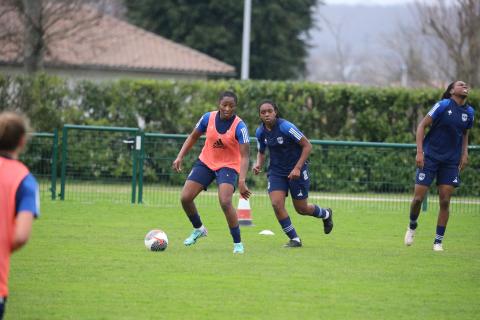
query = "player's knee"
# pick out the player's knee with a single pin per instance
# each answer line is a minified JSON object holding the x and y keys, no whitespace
{"x":186,"y":199}
{"x":225,"y":203}
{"x":277,"y":206}
{"x":444,"y":202}
{"x":417,"y":200}
{"x":303,"y":210}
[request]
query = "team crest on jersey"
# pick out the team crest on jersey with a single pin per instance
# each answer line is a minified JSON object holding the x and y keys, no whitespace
{"x":421,"y":176}
{"x":280,"y":140}
{"x":464,"y":117}
{"x":449,"y":112}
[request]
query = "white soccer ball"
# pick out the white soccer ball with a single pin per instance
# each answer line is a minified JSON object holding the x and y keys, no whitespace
{"x":156,"y":240}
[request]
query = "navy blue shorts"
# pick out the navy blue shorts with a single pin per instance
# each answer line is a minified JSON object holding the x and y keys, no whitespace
{"x":298,"y":188}
{"x":444,"y":173}
{"x":204,"y":175}
{"x":3,"y":301}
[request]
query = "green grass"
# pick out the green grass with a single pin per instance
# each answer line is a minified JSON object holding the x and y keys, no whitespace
{"x":88,"y":261}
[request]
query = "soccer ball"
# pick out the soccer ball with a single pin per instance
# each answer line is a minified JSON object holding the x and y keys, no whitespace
{"x":156,"y":240}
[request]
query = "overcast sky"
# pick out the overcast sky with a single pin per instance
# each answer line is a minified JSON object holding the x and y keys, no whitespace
{"x":369,"y":2}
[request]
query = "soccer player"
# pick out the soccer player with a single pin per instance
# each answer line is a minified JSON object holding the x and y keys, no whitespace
{"x":288,"y":170}
{"x":19,"y":201}
{"x":441,"y":155}
{"x":224,"y":157}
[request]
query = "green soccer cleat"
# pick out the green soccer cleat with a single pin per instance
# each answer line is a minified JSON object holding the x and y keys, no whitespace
{"x":196,"y":233}
{"x":238,"y":248}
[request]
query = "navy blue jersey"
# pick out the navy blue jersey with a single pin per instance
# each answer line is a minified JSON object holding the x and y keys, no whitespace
{"x":283,"y":142}
{"x":241,"y":133}
{"x":450,"y":122}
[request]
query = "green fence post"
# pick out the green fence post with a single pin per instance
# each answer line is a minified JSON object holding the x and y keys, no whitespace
{"x":425,"y":203}
{"x":134,"y":167}
{"x":53,"y":179}
{"x":141,"y":159}
{"x":64,"y":162}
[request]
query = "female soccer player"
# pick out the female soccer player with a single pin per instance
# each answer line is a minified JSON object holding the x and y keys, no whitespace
{"x":441,"y":154}
{"x":289,"y":150}
{"x":19,"y":202}
{"x":224,"y":157}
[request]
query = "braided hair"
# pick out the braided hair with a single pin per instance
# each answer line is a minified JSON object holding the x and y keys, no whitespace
{"x":447,"y":94}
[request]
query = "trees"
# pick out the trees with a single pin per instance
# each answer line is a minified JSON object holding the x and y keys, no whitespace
{"x":278,"y":37}
{"x":454,"y":31}
{"x":31,"y":27}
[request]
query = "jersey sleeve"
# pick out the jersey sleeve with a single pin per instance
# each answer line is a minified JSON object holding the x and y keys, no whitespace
{"x":289,"y":129}
{"x":202,"y":124}
{"x":471,"y":112}
{"x":241,"y":133}
{"x":261,"y":145}
{"x":437,"y":109}
{"x":27,"y":197}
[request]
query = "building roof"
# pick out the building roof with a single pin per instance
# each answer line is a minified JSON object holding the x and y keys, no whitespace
{"x":110,"y":43}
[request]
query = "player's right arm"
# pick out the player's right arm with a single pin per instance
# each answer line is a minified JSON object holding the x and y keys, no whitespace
{"x":261,"y":146}
{"x":426,"y":122}
{"x":420,"y":135}
{"x":197,"y":132}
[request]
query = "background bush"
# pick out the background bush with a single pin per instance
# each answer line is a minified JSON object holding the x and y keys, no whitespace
{"x":323,"y":112}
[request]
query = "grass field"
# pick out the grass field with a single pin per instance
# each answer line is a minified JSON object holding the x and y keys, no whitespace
{"x":88,"y":261}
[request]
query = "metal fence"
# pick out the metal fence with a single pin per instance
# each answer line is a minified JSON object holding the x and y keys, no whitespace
{"x":41,"y":157}
{"x":128,"y":165}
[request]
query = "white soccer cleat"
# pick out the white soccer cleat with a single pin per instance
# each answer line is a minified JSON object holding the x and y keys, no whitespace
{"x":409,"y":235}
{"x":437,"y":247}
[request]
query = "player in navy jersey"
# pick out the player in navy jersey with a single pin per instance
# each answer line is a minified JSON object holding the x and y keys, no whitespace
{"x":287,"y":171}
{"x":441,"y":155}
{"x":19,"y":200}
{"x":224,"y":157}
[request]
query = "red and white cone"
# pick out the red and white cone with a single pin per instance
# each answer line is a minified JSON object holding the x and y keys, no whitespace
{"x":244,"y":212}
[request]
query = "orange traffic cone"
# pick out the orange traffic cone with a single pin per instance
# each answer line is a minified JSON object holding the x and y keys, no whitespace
{"x":244,"y":212}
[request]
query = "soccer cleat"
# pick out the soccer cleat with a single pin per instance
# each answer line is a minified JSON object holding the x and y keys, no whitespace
{"x":328,"y":223}
{"x":437,"y":247}
{"x":196,"y":233}
{"x":293,"y":244}
{"x":238,"y":248}
{"x":409,"y":235}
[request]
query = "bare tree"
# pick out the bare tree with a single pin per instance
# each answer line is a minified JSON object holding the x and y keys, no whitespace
{"x":32,"y":27}
{"x":454,"y":29}
{"x":408,"y":63}
{"x":341,"y":57}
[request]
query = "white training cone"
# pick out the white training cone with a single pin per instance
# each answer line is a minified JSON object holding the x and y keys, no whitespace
{"x":267,"y":233}
{"x":244,"y":212}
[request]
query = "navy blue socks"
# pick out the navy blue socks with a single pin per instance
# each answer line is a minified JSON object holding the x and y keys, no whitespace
{"x":413,"y":221}
{"x":439,"y":235}
{"x":235,"y":232}
{"x":288,"y":228}
{"x":320,"y":212}
{"x":195,"y":220}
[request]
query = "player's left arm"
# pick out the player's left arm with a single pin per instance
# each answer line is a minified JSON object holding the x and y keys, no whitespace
{"x":28,"y":208}
{"x":306,"y":149}
{"x":244,"y":145}
{"x":464,"y":157}
{"x":291,"y":130}
{"x":23,"y":229}
{"x":244,"y":163}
